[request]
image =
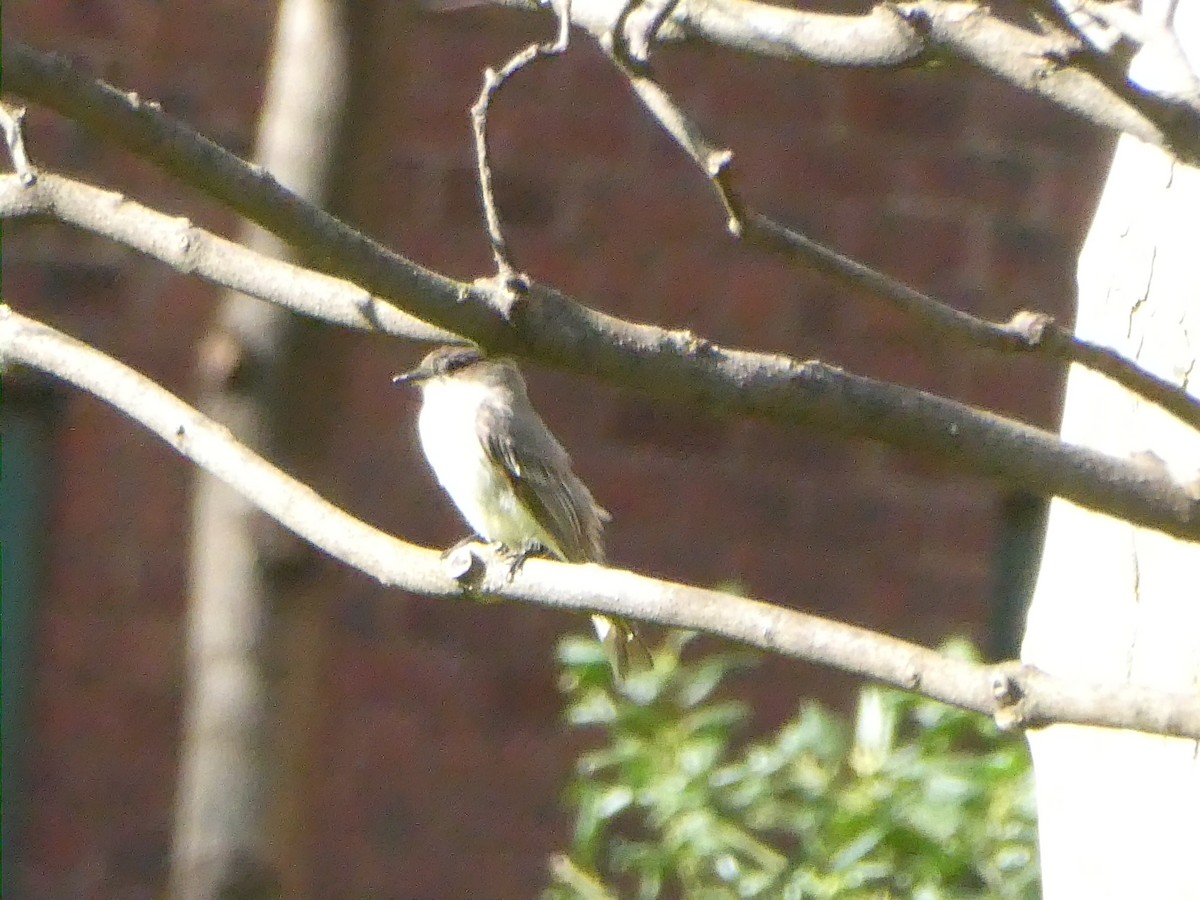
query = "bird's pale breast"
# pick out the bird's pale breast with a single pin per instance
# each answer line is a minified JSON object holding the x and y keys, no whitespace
{"x":448,"y":428}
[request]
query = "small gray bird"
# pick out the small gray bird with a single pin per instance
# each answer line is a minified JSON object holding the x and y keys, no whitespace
{"x":508,"y":476}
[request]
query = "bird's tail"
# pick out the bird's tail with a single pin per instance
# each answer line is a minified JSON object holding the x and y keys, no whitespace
{"x":626,"y":651}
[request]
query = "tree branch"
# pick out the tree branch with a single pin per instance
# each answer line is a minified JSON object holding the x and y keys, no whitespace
{"x":323,"y":240}
{"x":195,"y":251}
{"x":894,"y":35}
{"x":1016,"y":695}
{"x":1026,"y":331}
{"x":545,"y":325}
{"x":493,"y":79}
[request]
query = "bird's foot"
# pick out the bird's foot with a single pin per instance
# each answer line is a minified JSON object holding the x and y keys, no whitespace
{"x":516,"y":558}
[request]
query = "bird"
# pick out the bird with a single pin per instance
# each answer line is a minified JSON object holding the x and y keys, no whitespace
{"x":509,"y":476}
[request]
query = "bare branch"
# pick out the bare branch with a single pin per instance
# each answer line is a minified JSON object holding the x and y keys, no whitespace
{"x":545,"y":325}
{"x":713,"y":161}
{"x":195,"y":251}
{"x":1016,"y":695}
{"x":1026,"y":332}
{"x":323,"y":240}
{"x":1171,"y":102}
{"x":912,"y":33}
{"x":493,"y":80}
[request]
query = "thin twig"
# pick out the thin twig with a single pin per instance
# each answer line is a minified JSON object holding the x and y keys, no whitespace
{"x":714,"y":161}
{"x":678,"y":366}
{"x":12,"y":121}
{"x":1026,"y":332}
{"x":493,"y":79}
{"x":1014,"y":694}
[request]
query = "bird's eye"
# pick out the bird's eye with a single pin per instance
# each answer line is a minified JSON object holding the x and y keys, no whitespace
{"x":457,"y":361}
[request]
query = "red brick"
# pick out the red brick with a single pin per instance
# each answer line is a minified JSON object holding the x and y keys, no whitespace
{"x":908,"y":105}
{"x":440,"y":737}
{"x":1005,"y":114}
{"x":881,"y":238}
{"x":1031,"y":261}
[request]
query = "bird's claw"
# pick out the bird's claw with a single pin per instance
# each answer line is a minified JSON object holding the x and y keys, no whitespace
{"x":516,"y":558}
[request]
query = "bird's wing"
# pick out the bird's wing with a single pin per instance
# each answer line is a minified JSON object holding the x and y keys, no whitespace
{"x":539,"y":470}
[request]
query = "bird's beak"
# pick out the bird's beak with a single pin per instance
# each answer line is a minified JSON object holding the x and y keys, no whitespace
{"x":412,"y":376}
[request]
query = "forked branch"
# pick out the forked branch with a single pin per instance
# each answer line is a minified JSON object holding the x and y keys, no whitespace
{"x":1051,"y":62}
{"x":1026,"y":331}
{"x":545,"y":325}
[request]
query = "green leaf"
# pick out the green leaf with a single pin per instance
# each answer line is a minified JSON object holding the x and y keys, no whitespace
{"x":925,"y":800}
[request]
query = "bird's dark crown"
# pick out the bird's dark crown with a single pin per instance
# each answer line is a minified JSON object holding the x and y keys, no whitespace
{"x":442,"y":361}
{"x":448,"y":360}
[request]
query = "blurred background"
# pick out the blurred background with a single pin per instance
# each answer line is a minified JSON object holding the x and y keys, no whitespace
{"x":422,"y":747}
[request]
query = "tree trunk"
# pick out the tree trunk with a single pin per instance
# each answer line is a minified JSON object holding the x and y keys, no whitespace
{"x":223,"y":807}
{"x":1119,"y":812}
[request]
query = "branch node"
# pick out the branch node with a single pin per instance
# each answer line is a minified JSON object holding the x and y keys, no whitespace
{"x":13,"y":122}
{"x":691,"y":343}
{"x":914,"y":17}
{"x":630,"y":41}
{"x":718,"y":162}
{"x":1006,"y":690}
{"x":503,"y":292}
{"x":461,"y":565}
{"x":1029,"y":326}
{"x":735,"y":213}
{"x":1009,"y":694}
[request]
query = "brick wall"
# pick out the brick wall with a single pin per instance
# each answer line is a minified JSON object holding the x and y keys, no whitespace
{"x":435,"y":726}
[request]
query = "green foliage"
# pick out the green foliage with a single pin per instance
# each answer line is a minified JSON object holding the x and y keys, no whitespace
{"x":915,"y":800}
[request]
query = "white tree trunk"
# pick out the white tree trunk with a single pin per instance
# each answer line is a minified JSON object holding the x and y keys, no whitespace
{"x":1119,"y":813}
